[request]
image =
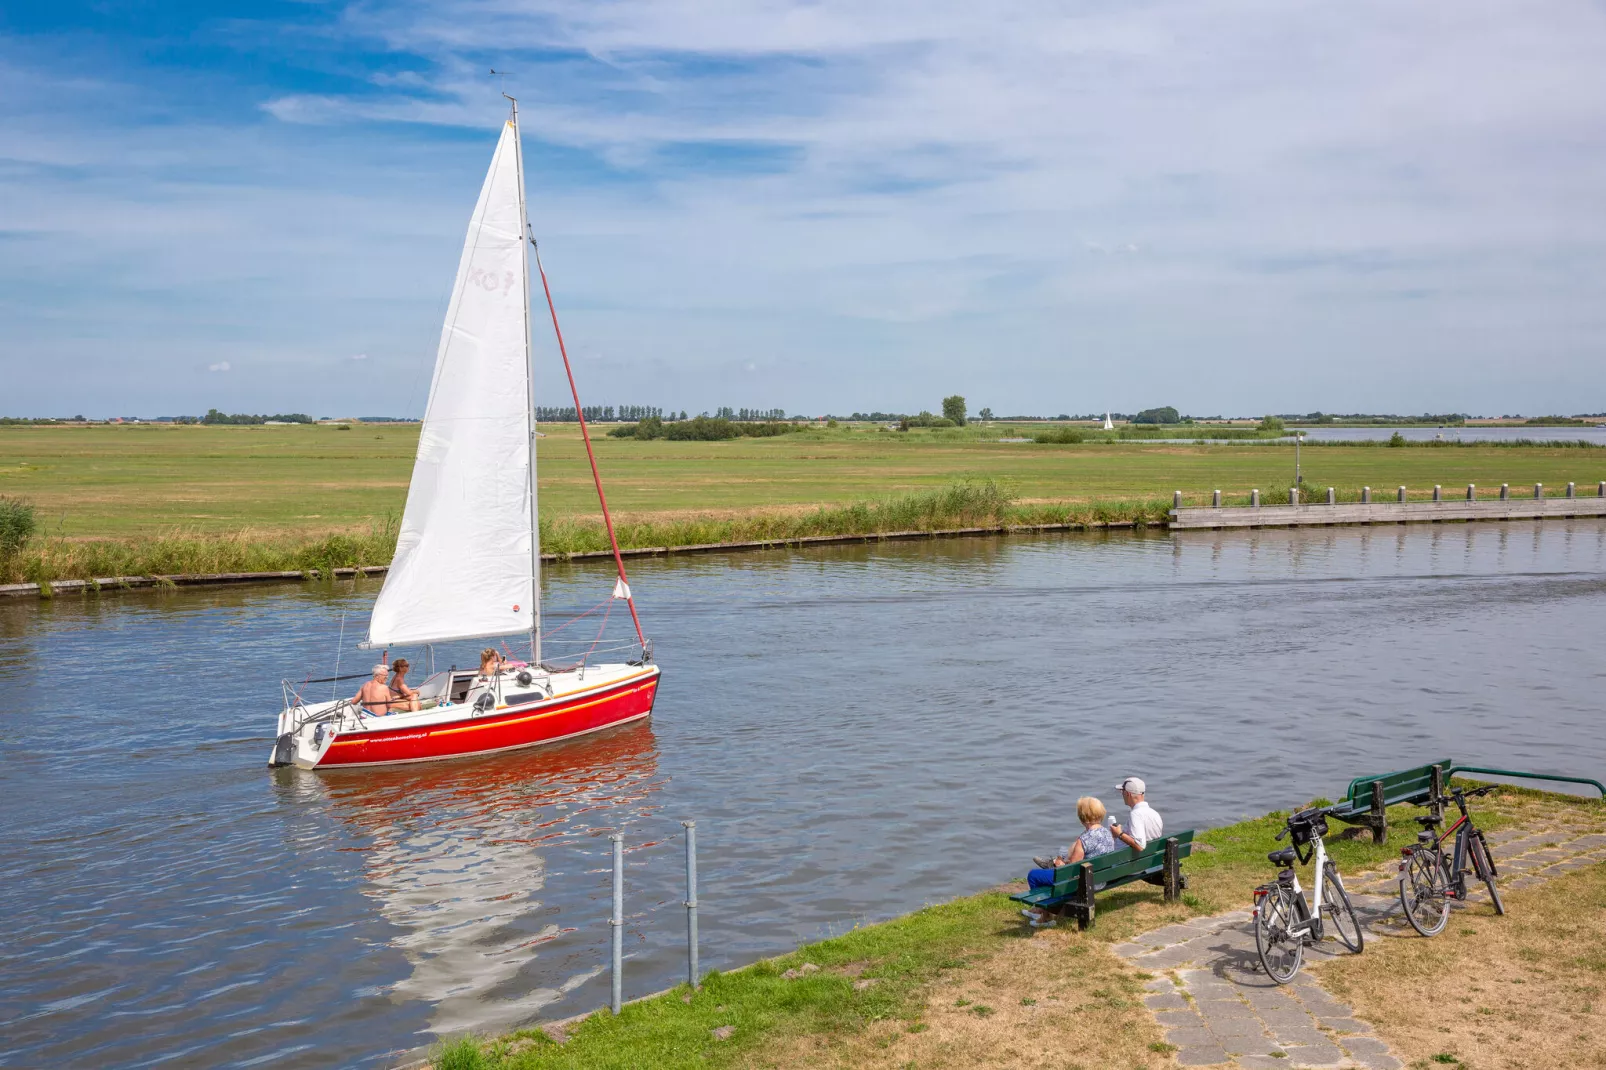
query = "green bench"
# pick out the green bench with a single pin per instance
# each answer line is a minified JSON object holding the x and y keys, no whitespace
{"x":1370,"y":796}
{"x":1074,"y":886}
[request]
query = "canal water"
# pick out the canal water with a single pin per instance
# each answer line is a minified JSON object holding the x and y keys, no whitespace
{"x":856,"y":730}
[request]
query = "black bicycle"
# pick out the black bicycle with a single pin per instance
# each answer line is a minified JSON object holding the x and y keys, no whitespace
{"x":1284,"y":921}
{"x":1430,"y":879}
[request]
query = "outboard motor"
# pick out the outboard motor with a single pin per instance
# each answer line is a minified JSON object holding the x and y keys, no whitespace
{"x":283,"y":750}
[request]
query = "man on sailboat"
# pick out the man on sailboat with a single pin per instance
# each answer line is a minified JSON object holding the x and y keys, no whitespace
{"x":374,"y":696}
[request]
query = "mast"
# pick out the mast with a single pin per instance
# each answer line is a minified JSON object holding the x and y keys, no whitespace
{"x":529,"y":384}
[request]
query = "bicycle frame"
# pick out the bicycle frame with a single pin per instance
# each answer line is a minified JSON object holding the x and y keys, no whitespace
{"x":1311,"y":924}
{"x":1463,"y":830}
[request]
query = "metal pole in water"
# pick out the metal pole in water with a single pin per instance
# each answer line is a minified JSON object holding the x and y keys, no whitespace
{"x":691,"y":903}
{"x":617,"y":922}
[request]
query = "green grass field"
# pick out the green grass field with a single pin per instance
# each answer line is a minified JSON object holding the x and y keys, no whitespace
{"x":143,"y":480}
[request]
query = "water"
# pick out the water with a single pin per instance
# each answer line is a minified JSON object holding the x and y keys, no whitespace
{"x":858,"y":731}
{"x":1594,"y":433}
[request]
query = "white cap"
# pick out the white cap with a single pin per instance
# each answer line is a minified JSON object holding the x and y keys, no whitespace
{"x":1132,"y":784}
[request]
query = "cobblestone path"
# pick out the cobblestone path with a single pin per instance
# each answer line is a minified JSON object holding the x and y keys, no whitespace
{"x":1219,"y":1008}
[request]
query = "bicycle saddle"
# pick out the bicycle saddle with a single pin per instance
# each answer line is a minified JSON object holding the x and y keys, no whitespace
{"x":1285,"y":857}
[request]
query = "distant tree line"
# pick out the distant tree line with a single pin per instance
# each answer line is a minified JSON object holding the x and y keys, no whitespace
{"x":725,"y":412}
{"x":215,"y":417}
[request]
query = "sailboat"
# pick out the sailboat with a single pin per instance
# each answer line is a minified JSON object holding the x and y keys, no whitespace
{"x":468,"y":556}
{"x":1108,"y":424}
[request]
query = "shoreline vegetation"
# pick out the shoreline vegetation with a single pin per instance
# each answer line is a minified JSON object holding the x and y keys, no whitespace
{"x":964,"y":983}
{"x":961,"y":505}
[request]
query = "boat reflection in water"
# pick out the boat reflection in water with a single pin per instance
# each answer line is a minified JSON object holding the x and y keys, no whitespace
{"x":484,"y":866}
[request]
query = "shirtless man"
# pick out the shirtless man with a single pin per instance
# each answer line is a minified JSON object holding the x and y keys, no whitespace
{"x":374,"y":696}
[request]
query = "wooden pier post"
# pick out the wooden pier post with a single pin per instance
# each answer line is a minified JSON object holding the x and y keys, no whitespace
{"x":1438,"y":493}
{"x":1254,"y":498}
{"x":1472,"y":492}
{"x":1600,"y":492}
{"x":1331,"y":500}
{"x":1402,"y":495}
{"x":1366,"y":495}
{"x":1176,"y":499}
{"x":1505,"y":492}
{"x":1293,"y":495}
{"x":1215,"y":499}
{"x":1539,"y":491}
{"x":1570,"y":490}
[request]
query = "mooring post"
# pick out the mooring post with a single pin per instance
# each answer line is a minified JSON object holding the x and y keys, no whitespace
{"x":1366,"y":495}
{"x":1600,"y":491}
{"x":1173,"y":871}
{"x":1254,"y":498}
{"x":1176,"y":499}
{"x":1293,"y":495}
{"x":1380,"y":820}
{"x":1505,"y":492}
{"x":1472,"y":492}
{"x":1539,"y":491}
{"x":1331,"y":500}
{"x":1215,"y":499}
{"x":1402,"y":494}
{"x":1570,"y":490}
{"x":1438,"y":493}
{"x":1436,"y":805}
{"x":691,"y":902}
{"x":617,"y":922}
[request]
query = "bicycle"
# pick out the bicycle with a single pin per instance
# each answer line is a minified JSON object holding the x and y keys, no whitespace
{"x":1429,"y":880}
{"x":1284,"y":922}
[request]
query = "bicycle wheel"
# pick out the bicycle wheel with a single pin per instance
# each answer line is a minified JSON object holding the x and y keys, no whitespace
{"x":1336,"y":905}
{"x":1281,"y":951}
{"x":1423,"y":892}
{"x":1483,"y":866}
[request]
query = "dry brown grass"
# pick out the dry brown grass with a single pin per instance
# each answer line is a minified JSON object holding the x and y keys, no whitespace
{"x":1519,"y":991}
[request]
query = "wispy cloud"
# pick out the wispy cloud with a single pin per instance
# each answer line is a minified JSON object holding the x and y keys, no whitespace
{"x":1074,"y":202}
{"x":220,"y":366}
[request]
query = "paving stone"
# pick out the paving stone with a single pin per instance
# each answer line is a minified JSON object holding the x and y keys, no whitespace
{"x":1263,"y":1062}
{"x":1306,"y":1035}
{"x":1324,"y":1054}
{"x":1191,"y":1038}
{"x":1201,"y":1055}
{"x":1596,"y":840}
{"x":1287,"y":1023}
{"x":1178,"y":1017}
{"x":1160,"y":984}
{"x":1236,"y":1027}
{"x":1346,"y":1025}
{"x":1370,"y":1053}
{"x":1213,"y":1009}
{"x":1126,"y":951}
{"x":1166,"y":1001}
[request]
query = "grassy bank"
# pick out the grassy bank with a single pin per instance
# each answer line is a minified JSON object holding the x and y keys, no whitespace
{"x":961,"y":505}
{"x":965,"y":984}
{"x":145,"y":481}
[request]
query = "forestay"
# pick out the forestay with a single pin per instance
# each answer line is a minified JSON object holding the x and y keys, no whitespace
{"x":463,"y":565}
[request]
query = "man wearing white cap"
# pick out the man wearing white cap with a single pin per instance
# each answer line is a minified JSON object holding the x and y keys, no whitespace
{"x":1145,"y":823}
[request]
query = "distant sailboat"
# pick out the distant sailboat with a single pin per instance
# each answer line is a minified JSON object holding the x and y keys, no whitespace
{"x":1108,"y":425}
{"x":468,"y":557}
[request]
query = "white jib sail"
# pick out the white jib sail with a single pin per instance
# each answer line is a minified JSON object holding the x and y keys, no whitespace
{"x":462,"y":567}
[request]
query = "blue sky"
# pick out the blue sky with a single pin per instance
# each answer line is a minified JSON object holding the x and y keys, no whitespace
{"x":1225,"y":206}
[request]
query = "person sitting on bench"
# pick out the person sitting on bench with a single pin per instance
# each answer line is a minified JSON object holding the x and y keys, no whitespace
{"x":1145,"y":824}
{"x":374,"y":696}
{"x":1095,"y":840}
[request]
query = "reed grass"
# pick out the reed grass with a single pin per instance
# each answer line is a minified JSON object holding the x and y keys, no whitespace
{"x":981,"y":503}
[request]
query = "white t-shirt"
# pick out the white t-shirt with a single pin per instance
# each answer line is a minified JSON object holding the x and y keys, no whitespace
{"x":1145,"y":825}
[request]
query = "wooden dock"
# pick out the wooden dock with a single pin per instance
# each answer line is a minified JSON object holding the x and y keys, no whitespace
{"x":1283,"y":516}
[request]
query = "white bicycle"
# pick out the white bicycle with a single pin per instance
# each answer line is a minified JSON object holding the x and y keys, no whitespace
{"x":1284,"y":922}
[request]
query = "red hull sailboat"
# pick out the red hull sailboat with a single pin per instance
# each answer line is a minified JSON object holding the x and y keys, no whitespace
{"x":468,"y":555}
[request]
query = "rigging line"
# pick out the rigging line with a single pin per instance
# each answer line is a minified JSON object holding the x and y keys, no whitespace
{"x":596,"y":476}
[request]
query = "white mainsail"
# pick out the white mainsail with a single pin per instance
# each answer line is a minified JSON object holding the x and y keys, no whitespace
{"x":464,"y":564}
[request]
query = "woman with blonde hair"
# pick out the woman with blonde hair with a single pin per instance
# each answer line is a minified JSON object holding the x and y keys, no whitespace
{"x":1095,"y":840}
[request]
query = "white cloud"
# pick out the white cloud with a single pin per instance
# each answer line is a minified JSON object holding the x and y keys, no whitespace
{"x":358,"y":356}
{"x":220,"y":366}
